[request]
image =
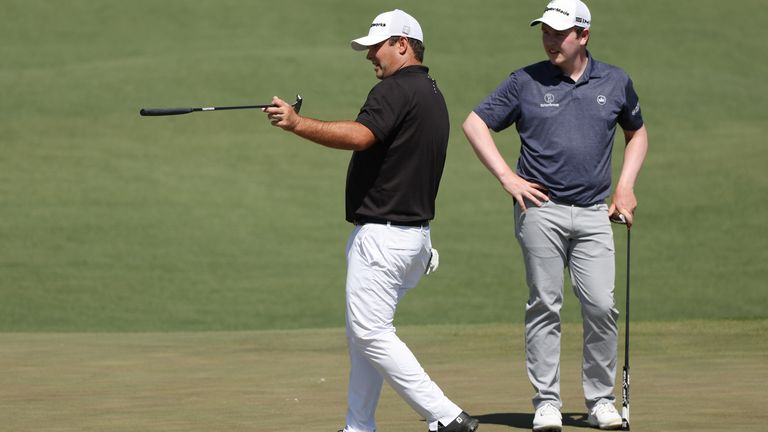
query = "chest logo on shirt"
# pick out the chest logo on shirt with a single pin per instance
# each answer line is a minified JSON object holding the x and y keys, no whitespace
{"x":601,"y":100}
{"x":549,"y":100}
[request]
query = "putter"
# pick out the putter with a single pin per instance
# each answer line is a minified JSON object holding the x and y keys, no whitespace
{"x":620,"y":219}
{"x":625,"y":372}
{"x":176,"y":111}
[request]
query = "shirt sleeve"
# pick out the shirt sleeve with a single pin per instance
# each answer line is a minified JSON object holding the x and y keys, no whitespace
{"x":381,"y":112}
{"x":630,"y":117}
{"x":502,"y":107}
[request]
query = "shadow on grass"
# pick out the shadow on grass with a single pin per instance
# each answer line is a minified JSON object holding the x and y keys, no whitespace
{"x":525,"y":420}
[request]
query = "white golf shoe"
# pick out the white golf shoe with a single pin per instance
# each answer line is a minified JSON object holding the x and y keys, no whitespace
{"x":547,"y":419}
{"x":604,"y":416}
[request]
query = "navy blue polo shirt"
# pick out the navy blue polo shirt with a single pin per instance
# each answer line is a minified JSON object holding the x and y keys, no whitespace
{"x":566,"y":128}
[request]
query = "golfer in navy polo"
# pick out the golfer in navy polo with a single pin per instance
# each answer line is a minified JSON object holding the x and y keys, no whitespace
{"x":566,"y":110}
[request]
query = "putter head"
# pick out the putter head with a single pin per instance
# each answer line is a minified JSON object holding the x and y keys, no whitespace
{"x":625,"y":417}
{"x":297,"y":105}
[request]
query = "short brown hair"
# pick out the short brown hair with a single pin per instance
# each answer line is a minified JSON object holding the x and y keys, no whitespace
{"x":416,"y":45}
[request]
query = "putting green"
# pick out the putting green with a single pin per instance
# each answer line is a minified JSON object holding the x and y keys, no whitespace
{"x":686,"y":376}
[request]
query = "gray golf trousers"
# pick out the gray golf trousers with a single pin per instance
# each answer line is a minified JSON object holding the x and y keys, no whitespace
{"x":554,"y":237}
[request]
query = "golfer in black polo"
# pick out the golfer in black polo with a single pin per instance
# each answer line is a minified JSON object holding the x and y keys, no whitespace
{"x":399,"y":142}
{"x":566,"y":110}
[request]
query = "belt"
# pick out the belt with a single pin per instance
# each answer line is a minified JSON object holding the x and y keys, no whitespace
{"x":574,"y":204}
{"x":368,"y":220}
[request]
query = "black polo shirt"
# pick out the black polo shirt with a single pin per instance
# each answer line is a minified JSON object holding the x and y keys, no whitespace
{"x":566,"y":128}
{"x":397,"y":178}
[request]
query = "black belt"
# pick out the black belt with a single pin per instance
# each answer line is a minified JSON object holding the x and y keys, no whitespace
{"x":574,"y":204}
{"x":368,"y":220}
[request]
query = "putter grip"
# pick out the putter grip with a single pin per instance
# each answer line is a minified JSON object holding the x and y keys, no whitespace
{"x":164,"y":111}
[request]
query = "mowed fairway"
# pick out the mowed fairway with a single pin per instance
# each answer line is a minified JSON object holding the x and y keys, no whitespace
{"x":695,"y":376}
{"x":186,"y":273}
{"x":218,"y":221}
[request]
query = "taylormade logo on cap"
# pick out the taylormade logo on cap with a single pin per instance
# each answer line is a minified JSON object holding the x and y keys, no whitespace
{"x":386,"y":25}
{"x":564,"y":14}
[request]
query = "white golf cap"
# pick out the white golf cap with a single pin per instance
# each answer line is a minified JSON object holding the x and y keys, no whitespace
{"x":564,"y":14}
{"x":386,"y":25}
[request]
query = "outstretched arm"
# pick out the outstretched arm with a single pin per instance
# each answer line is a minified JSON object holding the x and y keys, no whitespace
{"x":485,"y":148}
{"x":345,"y":135}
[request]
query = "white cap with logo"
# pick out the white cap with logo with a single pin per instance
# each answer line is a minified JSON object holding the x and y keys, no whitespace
{"x":386,"y":25}
{"x":564,"y":14}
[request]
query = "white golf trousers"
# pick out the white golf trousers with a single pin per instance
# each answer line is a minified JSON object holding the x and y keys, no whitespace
{"x":553,"y":237}
{"x":383,"y":263}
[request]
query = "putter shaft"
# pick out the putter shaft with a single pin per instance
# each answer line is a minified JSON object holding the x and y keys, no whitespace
{"x":178,"y":111}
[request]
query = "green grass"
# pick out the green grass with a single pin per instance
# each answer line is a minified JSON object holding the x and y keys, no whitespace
{"x":113,"y":222}
{"x":685,"y":376}
{"x":153,"y":271}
